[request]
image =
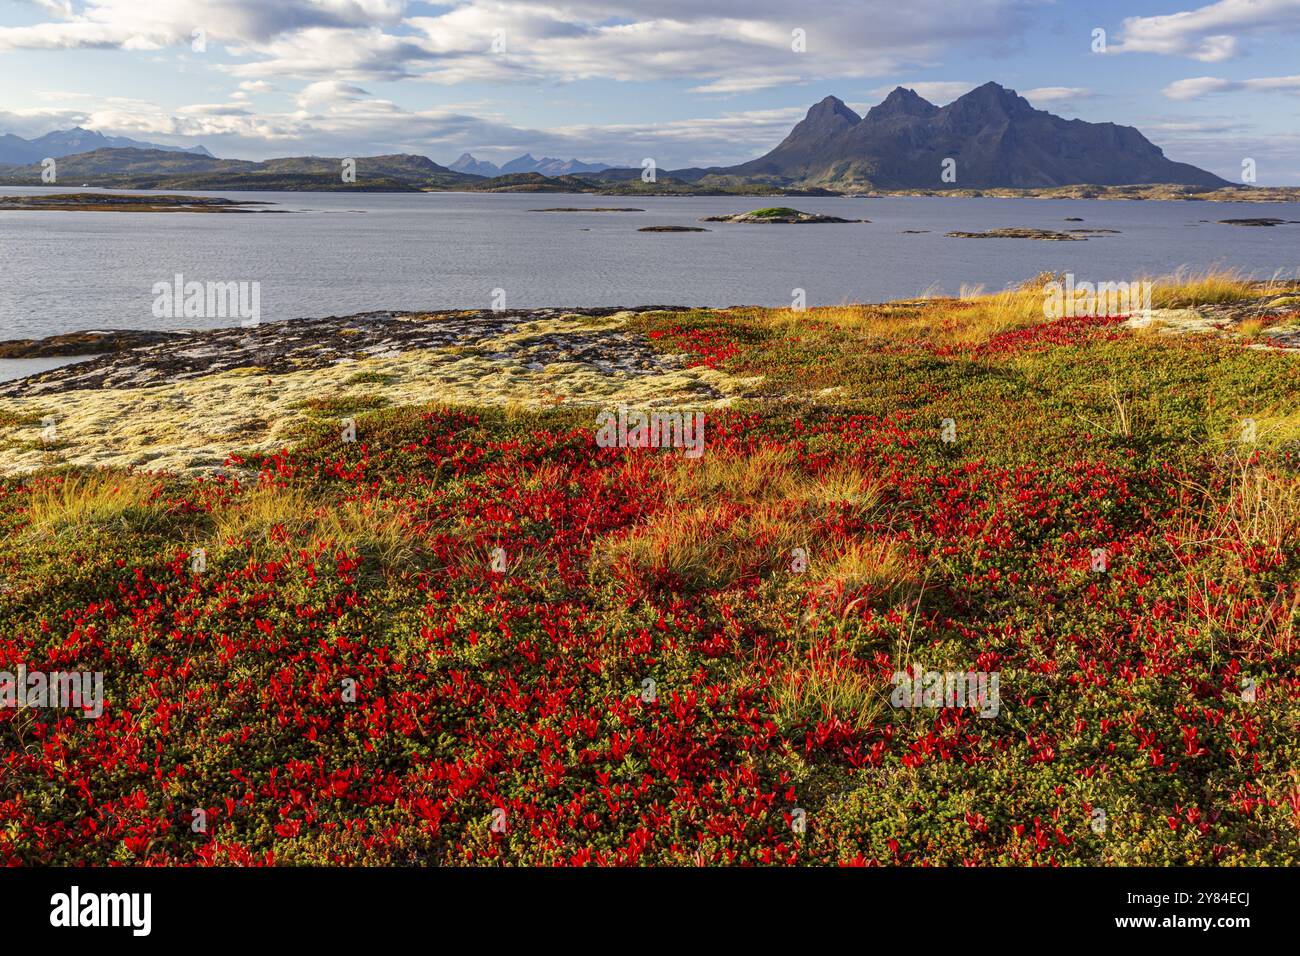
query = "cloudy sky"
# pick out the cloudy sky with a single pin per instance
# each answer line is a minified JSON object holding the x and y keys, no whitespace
{"x":688,"y":82}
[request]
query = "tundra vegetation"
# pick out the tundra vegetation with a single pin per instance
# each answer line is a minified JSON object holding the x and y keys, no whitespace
{"x":475,"y":636}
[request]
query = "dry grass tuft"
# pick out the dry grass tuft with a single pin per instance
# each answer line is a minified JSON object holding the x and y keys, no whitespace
{"x":767,"y":474}
{"x":1263,"y":509}
{"x":823,"y":682}
{"x":1257,"y":513}
{"x":728,"y":517}
{"x":273,"y":518}
{"x":85,"y":500}
{"x":853,"y":567}
{"x":1251,"y":328}
{"x":842,"y":485}
{"x":971,"y":319}
{"x":705,"y":545}
{"x":1184,"y":289}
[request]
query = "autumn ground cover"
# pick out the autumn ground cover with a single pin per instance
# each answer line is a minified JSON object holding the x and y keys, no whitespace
{"x":475,"y":636}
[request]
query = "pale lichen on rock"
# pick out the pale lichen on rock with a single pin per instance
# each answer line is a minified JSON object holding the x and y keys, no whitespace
{"x":189,"y":403}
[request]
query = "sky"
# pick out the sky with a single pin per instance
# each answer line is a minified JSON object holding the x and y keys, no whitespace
{"x":684,"y":82}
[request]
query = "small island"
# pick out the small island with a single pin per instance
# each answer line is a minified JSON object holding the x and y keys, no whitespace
{"x":672,"y":229}
{"x":82,"y":343}
{"x":1018,"y":233}
{"x":782,"y":214}
{"x":589,"y":209}
{"x":1264,"y":221}
{"x":117,"y":202}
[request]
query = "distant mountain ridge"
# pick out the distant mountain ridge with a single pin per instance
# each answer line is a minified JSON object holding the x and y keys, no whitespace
{"x":993,"y":136}
{"x":547,"y":166}
{"x":158,"y":169}
{"x":988,"y":139}
{"x":474,"y":167}
{"x":16,"y":151}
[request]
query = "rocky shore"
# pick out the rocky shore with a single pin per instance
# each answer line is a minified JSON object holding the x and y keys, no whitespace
{"x":116,"y":202}
{"x":186,"y":401}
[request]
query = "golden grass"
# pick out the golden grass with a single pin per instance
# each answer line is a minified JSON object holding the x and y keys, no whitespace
{"x":713,"y":546}
{"x":1251,"y":328}
{"x":1274,"y":430}
{"x":767,"y":474}
{"x":850,"y":567}
{"x":272,"y":518}
{"x":1263,"y":508}
{"x":821,"y":682}
{"x":974,"y":316}
{"x":1183,"y":289}
{"x":1255,"y":507}
{"x":1258,"y":510}
{"x":842,"y":485}
{"x":971,"y":319}
{"x":729,"y":516}
{"x":86,"y":500}
{"x":706,"y":545}
{"x":545,"y":476}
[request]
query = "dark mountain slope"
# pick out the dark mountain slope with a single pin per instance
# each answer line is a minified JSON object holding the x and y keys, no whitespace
{"x":996,"y":138}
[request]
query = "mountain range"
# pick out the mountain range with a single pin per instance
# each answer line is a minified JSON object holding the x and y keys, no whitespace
{"x":16,"y":151}
{"x":547,"y":166}
{"x":993,"y":137}
{"x":989,"y":138}
{"x":159,"y":169}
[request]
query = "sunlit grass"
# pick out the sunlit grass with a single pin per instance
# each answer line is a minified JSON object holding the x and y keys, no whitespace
{"x":705,"y":545}
{"x":276,"y":518}
{"x":971,"y":319}
{"x":975,"y":316}
{"x":769,"y":474}
{"x":1184,"y":289}
{"x":850,"y":567}
{"x":821,"y":682}
{"x":82,"y":501}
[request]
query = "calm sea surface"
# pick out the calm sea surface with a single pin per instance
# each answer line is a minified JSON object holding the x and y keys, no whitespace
{"x":341,"y":253}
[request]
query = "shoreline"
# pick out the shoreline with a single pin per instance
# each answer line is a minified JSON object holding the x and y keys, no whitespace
{"x":1135,"y":193}
{"x":97,"y":344}
{"x":188,"y":401}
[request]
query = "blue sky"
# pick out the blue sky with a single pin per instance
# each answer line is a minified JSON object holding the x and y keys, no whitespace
{"x":687,"y":82}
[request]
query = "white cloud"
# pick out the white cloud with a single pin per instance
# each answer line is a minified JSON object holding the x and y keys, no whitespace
{"x":37,"y":122}
{"x":1197,"y":87}
{"x":61,"y":8}
{"x":152,"y":24}
{"x":1208,"y":33}
{"x":331,"y":117}
{"x":1056,"y":94}
{"x":745,"y":84}
{"x":1193,"y":127}
{"x":721,"y":45}
{"x":1220,"y":144}
{"x":330,"y":93}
